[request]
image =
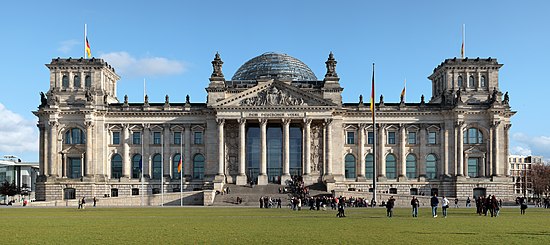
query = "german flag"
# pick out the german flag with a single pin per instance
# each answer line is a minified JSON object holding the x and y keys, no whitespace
{"x":88,"y":50}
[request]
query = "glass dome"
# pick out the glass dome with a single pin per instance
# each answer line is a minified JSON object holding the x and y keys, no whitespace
{"x":274,"y":65}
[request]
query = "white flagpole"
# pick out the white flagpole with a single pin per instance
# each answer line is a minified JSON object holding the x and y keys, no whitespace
{"x":463,"y":41}
{"x":141,"y":170}
{"x":144,"y":89}
{"x":85,"y":35}
{"x":162,"y":170}
{"x":181,"y":170}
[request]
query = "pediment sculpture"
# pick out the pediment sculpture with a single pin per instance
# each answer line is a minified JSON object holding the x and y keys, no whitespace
{"x":273,"y":96}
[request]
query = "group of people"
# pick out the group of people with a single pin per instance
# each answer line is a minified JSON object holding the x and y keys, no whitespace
{"x":434,"y":203}
{"x":488,"y":204}
{"x":268,"y":202}
{"x":82,"y":202}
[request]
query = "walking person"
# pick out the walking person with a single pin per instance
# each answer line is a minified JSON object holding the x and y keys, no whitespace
{"x":389,"y":207}
{"x":456,"y":202}
{"x":83,"y":202}
{"x":468,"y":202}
{"x":523,"y":205}
{"x":95,"y":201}
{"x":434,"y":203}
{"x":414,"y":204}
{"x":79,"y":203}
{"x":445,"y":206}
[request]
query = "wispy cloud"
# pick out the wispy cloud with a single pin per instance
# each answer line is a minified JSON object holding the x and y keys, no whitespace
{"x":524,"y":144}
{"x":68,"y":45}
{"x":17,"y":135}
{"x":126,"y":64}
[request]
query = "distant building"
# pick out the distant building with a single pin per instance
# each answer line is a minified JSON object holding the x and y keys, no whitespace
{"x":520,"y":170}
{"x":24,"y":174}
{"x":272,"y":120}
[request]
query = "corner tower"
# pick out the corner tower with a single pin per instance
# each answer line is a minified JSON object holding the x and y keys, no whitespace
{"x":473,"y":80}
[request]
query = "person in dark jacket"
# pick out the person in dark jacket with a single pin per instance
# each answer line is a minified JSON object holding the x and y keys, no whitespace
{"x":434,"y":202}
{"x":389,"y":207}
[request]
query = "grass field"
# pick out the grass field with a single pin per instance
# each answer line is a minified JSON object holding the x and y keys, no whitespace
{"x":200,"y":225}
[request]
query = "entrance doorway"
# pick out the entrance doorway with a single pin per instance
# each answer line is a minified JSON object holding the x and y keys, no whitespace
{"x":479,"y":192}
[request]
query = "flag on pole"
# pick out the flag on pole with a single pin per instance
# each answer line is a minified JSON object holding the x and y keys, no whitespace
{"x":179,"y":164}
{"x":372,"y":93}
{"x":403,"y":91}
{"x":462,"y":48}
{"x":88,"y":50}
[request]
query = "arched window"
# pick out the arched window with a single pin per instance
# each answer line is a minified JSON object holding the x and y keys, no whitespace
{"x":75,"y":136}
{"x":473,"y":136}
{"x":198,"y":166}
{"x":65,"y":81}
{"x":157,"y":161}
{"x":471,"y":82}
{"x":175,"y":163}
{"x":460,"y":81}
{"x":411,"y":166}
{"x":116,"y":166}
{"x":390,"y":166}
{"x":88,"y":82}
{"x":136,"y":166}
{"x":431,"y":166}
{"x":369,"y":166}
{"x":482,"y":82}
{"x":350,"y":166}
{"x":77,"y":82}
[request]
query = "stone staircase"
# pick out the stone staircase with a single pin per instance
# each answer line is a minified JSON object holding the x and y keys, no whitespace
{"x":251,"y":195}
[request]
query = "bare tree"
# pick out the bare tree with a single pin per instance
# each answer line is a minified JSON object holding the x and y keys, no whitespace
{"x":540,"y":176}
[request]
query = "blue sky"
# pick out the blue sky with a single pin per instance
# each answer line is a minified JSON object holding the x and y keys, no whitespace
{"x":171,"y":45}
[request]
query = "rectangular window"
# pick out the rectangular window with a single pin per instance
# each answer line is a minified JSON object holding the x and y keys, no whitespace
{"x":350,"y":139}
{"x":412,"y":138}
{"x":473,"y":164}
{"x":370,"y":138}
{"x":177,"y":138}
{"x":136,"y":138}
{"x":116,"y":138}
{"x":432,"y":136}
{"x":135,"y":191}
{"x":391,"y":138}
{"x":198,"y":138}
{"x":156,"y":138}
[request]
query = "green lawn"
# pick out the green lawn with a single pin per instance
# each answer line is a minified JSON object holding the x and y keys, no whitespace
{"x":200,"y":225}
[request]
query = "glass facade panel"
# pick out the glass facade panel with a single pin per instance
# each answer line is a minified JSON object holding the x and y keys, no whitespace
{"x":411,"y":166}
{"x":369,"y":166}
{"x":390,"y":167}
{"x":274,"y":153}
{"x":350,"y":166}
{"x":136,"y":138}
{"x":295,"y":153}
{"x":198,"y":166}
{"x":391,"y":138}
{"x":116,"y":166}
{"x":253,"y":152}
{"x":431,"y":166}
{"x":75,"y":168}
{"x":157,"y":161}
{"x":473,"y":164}
{"x":432,"y":138}
{"x":412,"y":138}
{"x":136,"y":166}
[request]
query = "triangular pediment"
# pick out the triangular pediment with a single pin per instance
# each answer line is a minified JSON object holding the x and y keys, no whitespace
{"x":274,"y":94}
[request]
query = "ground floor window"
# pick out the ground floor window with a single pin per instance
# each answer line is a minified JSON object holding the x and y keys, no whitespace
{"x":413,"y":191}
{"x":114,"y":192}
{"x":69,"y":193}
{"x":156,"y":190}
{"x":135,"y":191}
{"x":393,"y":190}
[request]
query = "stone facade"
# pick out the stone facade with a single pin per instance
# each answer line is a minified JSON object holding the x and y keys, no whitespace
{"x":271,"y":128}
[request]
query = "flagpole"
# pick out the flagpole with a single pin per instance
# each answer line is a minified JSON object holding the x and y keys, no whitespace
{"x":373,"y":110}
{"x":141,"y":170}
{"x":162,"y":171}
{"x":85,"y":36}
{"x":463,"y":53}
{"x":181,"y":168}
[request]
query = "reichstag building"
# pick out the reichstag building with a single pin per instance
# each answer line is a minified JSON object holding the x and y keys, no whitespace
{"x":272,"y":120}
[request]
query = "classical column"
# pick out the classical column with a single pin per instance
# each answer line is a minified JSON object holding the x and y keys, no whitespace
{"x":126,"y":151}
{"x":145,"y":135}
{"x":166,"y":153}
{"x":361,"y":157}
{"x":89,"y":149}
{"x":44,"y":128}
{"x":444,"y":151}
{"x":496,"y":150}
{"x":262,"y":177}
{"x":221,"y":146}
{"x":241,"y":178}
{"x":307,"y":148}
{"x":506,"y":145}
{"x":381,"y":150}
{"x":52,"y":170}
{"x":422,"y":157}
{"x":286,"y":150}
{"x":459,"y":150}
{"x":188,"y":158}
{"x":402,"y":152}
{"x":329,"y":146}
